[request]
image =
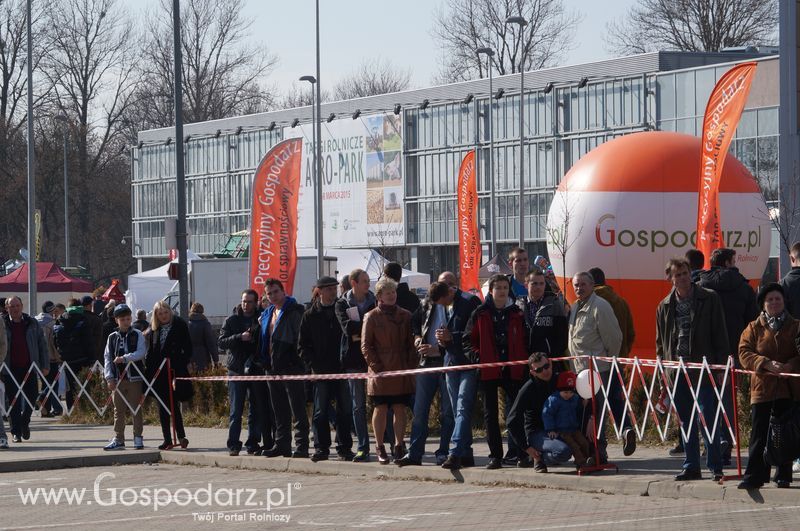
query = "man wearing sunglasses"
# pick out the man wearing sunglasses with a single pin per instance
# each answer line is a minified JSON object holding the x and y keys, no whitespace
{"x":524,"y":422}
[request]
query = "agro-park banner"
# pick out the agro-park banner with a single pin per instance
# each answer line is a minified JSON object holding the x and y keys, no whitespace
{"x":362,"y":194}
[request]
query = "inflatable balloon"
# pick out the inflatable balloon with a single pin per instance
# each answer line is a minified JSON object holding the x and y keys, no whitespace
{"x":584,"y":386}
{"x":630,"y":205}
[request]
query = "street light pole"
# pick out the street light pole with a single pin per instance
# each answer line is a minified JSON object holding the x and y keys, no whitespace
{"x":318,"y":129}
{"x":180,"y":176}
{"x":317,"y":207}
{"x":492,"y":232}
{"x":65,"y":121}
{"x":31,"y":176}
{"x":522,"y":23}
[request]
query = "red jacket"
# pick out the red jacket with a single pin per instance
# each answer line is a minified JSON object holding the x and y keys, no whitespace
{"x":479,"y":341}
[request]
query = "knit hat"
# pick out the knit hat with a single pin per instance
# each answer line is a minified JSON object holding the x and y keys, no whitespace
{"x":566,"y":381}
{"x":772,"y":286}
{"x":48,"y":307}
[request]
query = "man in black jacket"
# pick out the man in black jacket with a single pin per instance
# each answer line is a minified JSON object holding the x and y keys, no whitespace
{"x":277,"y":350}
{"x":95,"y":325}
{"x":524,"y":421}
{"x":545,"y":316}
{"x":74,"y":344}
{"x":350,"y":311}
{"x":405,"y":299}
{"x":429,"y":323}
{"x":239,"y":337}
{"x":320,"y":340}
{"x":461,"y":385}
{"x":739,"y":306}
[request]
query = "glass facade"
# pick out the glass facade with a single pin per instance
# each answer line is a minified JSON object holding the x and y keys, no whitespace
{"x":219,"y":178}
{"x":560,"y":126}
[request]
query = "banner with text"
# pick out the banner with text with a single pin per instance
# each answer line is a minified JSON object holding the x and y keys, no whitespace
{"x":273,"y":225}
{"x":469,"y":241}
{"x":722,"y":115}
{"x":362,"y":193}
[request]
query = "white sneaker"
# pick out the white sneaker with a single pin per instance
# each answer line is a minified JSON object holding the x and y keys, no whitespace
{"x":4,"y":443}
{"x":114,"y":445}
{"x":138,"y":443}
{"x":796,"y":466}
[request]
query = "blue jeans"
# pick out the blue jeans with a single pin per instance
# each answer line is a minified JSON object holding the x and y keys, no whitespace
{"x":707,"y":401}
{"x":358,"y":394}
{"x":462,"y":387}
{"x":427,"y":385}
{"x":257,"y":420}
{"x":554,"y":451}
{"x":324,"y":392}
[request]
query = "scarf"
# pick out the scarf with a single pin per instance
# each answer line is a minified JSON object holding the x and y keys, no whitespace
{"x":774,"y":323}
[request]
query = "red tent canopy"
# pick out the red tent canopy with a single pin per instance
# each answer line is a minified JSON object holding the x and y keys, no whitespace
{"x":113,"y":292}
{"x":49,"y":278}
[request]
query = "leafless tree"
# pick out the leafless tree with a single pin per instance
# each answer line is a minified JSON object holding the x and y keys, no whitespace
{"x":372,"y":77}
{"x":693,"y":25}
{"x":562,"y":234}
{"x":13,"y":109}
{"x":781,"y":203}
{"x":90,"y":65}
{"x":222,"y":75}
{"x":300,"y":95}
{"x":462,"y":26}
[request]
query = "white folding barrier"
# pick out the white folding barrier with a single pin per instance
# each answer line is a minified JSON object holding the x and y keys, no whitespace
{"x":78,"y":387}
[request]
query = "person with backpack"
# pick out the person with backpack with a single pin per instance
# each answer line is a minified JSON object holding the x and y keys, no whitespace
{"x":74,"y":344}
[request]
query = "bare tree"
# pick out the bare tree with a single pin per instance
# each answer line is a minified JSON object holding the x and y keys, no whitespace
{"x":222,"y":75}
{"x":693,"y":25}
{"x":463,"y":26}
{"x":372,"y":77}
{"x":90,"y":66}
{"x":13,"y":108}
{"x":300,"y":95}
{"x":561,"y":234}
{"x":781,"y":203}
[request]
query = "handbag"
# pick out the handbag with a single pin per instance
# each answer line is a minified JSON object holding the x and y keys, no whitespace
{"x":783,"y":436}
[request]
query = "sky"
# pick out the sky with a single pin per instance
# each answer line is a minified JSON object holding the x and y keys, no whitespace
{"x":400,"y":31}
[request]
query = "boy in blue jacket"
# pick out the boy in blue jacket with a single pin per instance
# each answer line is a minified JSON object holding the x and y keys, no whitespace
{"x":560,"y":418}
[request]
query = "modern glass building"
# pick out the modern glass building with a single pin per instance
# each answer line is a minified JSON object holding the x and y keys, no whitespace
{"x":567,"y":112}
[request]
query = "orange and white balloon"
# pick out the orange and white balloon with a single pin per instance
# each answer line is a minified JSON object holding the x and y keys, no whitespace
{"x":631,"y":204}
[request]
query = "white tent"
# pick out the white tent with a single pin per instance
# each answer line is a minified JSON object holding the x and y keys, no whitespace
{"x":148,"y":287}
{"x":372,"y":262}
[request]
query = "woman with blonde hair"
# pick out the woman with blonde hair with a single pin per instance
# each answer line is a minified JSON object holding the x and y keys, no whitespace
{"x":169,"y":339}
{"x":388,"y":345}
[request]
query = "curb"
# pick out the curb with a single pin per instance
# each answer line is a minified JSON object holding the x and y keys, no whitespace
{"x":593,"y":484}
{"x":53,"y":463}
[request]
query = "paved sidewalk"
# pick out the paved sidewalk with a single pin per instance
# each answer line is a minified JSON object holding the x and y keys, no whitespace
{"x":649,"y":472}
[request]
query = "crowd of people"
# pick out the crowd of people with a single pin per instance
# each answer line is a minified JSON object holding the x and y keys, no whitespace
{"x":347,"y":328}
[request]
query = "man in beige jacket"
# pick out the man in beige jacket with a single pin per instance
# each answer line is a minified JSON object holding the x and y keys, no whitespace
{"x":594,"y":331}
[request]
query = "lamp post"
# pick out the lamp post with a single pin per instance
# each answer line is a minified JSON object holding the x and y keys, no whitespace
{"x":492,"y":232}
{"x":314,"y":118}
{"x":180,"y":175}
{"x":65,"y":123}
{"x":31,"y":173}
{"x":522,"y":23}
{"x":318,"y":128}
